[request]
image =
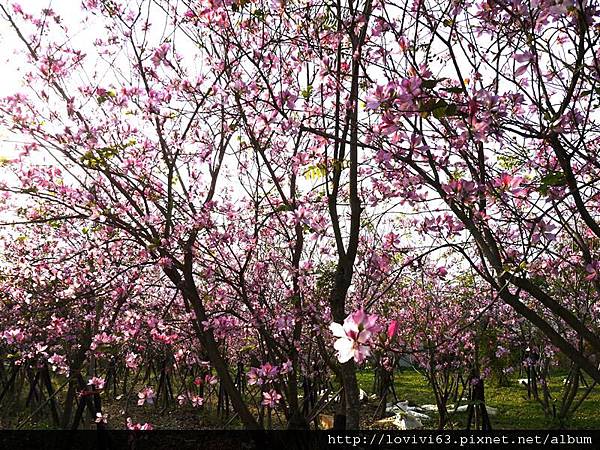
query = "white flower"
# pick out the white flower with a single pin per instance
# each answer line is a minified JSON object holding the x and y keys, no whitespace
{"x":354,"y":336}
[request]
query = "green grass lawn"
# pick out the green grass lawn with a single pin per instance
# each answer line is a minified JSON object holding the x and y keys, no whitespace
{"x":515,"y":410}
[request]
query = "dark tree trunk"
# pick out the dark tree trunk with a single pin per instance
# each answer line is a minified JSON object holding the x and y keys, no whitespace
{"x":207,"y":339}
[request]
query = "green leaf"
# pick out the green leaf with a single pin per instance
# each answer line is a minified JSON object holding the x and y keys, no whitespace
{"x":306,"y":93}
{"x":507,"y":162}
{"x":551,"y":179}
{"x":439,"y":109}
{"x":98,"y":157}
{"x":282,"y":208}
{"x":259,"y":14}
{"x":429,"y":84}
{"x":554,"y":179}
{"x":453,"y":89}
{"x":314,"y":172}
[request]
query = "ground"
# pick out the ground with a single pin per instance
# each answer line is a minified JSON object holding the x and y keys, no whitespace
{"x":515,"y":410}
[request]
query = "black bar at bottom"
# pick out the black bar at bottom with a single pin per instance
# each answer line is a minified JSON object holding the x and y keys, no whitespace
{"x":295,"y":440}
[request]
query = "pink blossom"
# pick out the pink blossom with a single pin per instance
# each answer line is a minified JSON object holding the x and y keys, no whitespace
{"x":138,"y":426}
{"x":132,"y":360}
{"x":268,"y":371}
{"x":13,"y":335}
{"x":210,"y":379}
{"x":543,"y":229}
{"x":254,"y":376}
{"x":521,"y":70}
{"x":403,"y":43}
{"x":51,"y":66}
{"x":163,"y":337}
{"x":102,"y":339}
{"x":592,"y":270}
{"x":165,"y":262}
{"x":507,"y":182}
{"x":160,"y":54}
{"x":196,"y":401}
{"x":392,"y":328}
{"x":271,"y":398}
{"x":286,"y":367}
{"x":146,"y":395}
{"x":354,"y":336}
{"x":501,"y":351}
{"x":96,"y":383}
{"x":58,"y":363}
{"x":461,"y":190}
{"x":380,"y":95}
{"x":524,"y":57}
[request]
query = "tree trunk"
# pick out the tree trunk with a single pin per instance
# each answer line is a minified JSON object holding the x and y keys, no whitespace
{"x":351,"y":394}
{"x":207,"y":339}
{"x":347,"y":370}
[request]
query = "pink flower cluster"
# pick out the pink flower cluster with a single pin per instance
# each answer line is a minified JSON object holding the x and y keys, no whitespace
{"x":146,"y":395}
{"x":267,"y":373}
{"x":138,"y":426}
{"x":271,"y":398}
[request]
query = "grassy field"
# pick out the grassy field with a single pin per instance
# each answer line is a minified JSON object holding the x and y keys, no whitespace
{"x":515,"y":410}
